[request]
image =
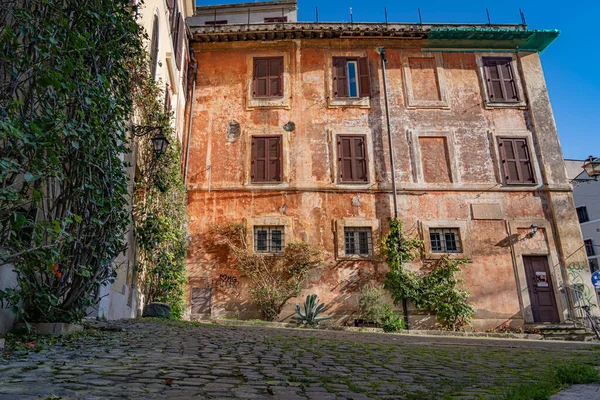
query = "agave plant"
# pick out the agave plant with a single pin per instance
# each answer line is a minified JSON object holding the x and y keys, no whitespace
{"x":310,"y":315}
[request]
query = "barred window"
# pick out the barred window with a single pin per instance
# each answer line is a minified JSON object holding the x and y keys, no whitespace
{"x":268,"y":239}
{"x":358,"y":241}
{"x":445,"y":240}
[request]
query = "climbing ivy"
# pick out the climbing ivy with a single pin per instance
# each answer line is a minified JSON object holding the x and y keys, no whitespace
{"x":439,"y":290}
{"x":159,"y":208}
{"x":68,"y":78}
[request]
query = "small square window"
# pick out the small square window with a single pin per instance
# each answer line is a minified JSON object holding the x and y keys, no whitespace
{"x":268,"y":239}
{"x":445,"y":240}
{"x":358,"y":241}
{"x":582,"y":214}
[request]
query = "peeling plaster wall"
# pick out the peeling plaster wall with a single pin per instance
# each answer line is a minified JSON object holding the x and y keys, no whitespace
{"x":220,"y":188}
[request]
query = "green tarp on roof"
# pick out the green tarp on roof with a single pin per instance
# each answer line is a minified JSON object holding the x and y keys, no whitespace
{"x":491,"y":38}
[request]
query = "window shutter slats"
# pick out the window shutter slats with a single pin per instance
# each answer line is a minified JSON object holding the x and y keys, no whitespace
{"x":267,"y":163}
{"x":268,"y":77}
{"x":352,"y":158}
{"x":170,"y":4}
{"x":500,"y":79}
{"x":516,"y":161}
{"x":364,"y":77}
{"x":340,"y":77}
{"x":180,"y":38}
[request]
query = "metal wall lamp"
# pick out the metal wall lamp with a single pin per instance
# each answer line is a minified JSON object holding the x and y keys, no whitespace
{"x":159,"y":140}
{"x":592,"y":167}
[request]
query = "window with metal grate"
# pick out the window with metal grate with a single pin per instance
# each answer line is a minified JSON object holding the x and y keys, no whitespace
{"x":268,"y":239}
{"x":445,"y":240}
{"x":358,"y":241}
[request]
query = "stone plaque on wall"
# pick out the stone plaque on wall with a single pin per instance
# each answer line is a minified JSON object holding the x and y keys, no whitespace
{"x":487,"y":211}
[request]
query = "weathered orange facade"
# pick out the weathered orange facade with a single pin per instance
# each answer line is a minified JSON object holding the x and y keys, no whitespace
{"x":448,"y":170}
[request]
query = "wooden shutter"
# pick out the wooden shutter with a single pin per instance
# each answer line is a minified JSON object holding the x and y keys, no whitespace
{"x":154,"y":48}
{"x":261,"y":67}
{"x":275,"y":77}
{"x":167,"y":99}
{"x":352,"y":158}
{"x":364,"y":77}
{"x":340,"y":77}
{"x":174,"y":22}
{"x":516,"y":161}
{"x":267,"y":163}
{"x":170,"y":4}
{"x":180,"y":39}
{"x":500,"y":80}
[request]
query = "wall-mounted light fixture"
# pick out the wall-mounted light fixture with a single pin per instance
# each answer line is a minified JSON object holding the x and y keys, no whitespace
{"x":592,"y":167}
{"x":159,"y":140}
{"x":534,"y":229}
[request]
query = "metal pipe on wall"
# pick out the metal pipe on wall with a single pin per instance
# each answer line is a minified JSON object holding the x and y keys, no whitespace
{"x":190,"y":119}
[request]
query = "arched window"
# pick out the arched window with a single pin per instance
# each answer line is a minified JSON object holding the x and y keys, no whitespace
{"x":154,"y":47}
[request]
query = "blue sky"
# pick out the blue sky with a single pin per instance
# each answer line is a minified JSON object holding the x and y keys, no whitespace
{"x":571,"y":64}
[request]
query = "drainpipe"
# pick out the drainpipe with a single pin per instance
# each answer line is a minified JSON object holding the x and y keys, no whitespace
{"x":190,"y":119}
{"x":392,"y":164}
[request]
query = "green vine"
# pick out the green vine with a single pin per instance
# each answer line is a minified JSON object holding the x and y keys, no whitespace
{"x":69,"y":76}
{"x":438,"y":291}
{"x":159,"y":208}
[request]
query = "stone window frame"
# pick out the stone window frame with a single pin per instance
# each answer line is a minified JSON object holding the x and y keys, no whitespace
{"x":355,"y":222}
{"x":285,"y":162}
{"x":283,"y":101}
{"x":463,"y":232}
{"x":336,"y":102}
{"x":483,"y":85}
{"x":497,"y":158}
{"x":417,"y":162}
{"x":411,"y":102}
{"x":334,"y":165}
{"x":274,"y":220}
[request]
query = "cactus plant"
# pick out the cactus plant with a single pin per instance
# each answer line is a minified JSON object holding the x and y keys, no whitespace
{"x":310,"y":314}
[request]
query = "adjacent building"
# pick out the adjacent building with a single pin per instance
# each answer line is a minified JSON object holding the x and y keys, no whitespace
{"x":170,"y":62}
{"x":586,"y":193}
{"x":290,"y":137}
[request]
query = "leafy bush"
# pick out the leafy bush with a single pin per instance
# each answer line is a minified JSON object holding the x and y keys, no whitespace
{"x":273,"y":279}
{"x":310,"y":315}
{"x":576,"y":373}
{"x":438,"y":291}
{"x":69,"y":80}
{"x":391,"y":321}
{"x":372,"y":308}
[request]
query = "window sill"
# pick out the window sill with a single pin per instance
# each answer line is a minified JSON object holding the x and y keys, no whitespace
{"x":532,"y":184}
{"x":360,"y":102}
{"x":356,"y":257}
{"x":416,"y":105}
{"x":491,"y":105}
{"x":438,"y":256}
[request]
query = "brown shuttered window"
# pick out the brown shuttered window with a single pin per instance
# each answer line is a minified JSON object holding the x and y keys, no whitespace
{"x":500,"y":79}
{"x":267,"y":165}
{"x":351,"y":77}
{"x":516,"y":161}
{"x":154,"y":48}
{"x":170,"y":4}
{"x":180,"y":38}
{"x":268,"y":77}
{"x":352,"y":158}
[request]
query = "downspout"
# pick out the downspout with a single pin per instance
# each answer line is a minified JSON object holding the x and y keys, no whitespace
{"x":190,"y":119}
{"x":392,"y":163}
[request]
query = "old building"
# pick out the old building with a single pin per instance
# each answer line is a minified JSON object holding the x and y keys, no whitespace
{"x":290,"y":137}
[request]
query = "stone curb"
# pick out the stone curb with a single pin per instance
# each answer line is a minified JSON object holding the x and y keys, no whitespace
{"x":522,"y":336}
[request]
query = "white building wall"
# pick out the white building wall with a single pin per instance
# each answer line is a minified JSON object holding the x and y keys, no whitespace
{"x":253,"y":13}
{"x":122,"y":299}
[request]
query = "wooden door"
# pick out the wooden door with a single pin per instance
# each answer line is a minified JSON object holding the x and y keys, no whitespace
{"x":201,"y":300}
{"x":541,"y":289}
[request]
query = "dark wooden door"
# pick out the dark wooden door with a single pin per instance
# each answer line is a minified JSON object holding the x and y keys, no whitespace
{"x":201,"y":300}
{"x":541,"y":289}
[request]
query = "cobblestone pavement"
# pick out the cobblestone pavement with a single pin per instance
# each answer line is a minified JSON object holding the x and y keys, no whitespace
{"x":150,"y":359}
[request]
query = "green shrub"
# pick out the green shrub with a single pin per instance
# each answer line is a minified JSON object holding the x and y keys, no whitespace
{"x":372,"y":308}
{"x":391,"y":321}
{"x":310,"y":315}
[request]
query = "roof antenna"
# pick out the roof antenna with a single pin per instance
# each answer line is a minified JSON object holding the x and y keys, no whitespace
{"x":488,"y":15}
{"x":522,"y":17}
{"x":420,"y":19}
{"x":385,"y":12}
{"x":351,"y":17}
{"x":317,"y":13}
